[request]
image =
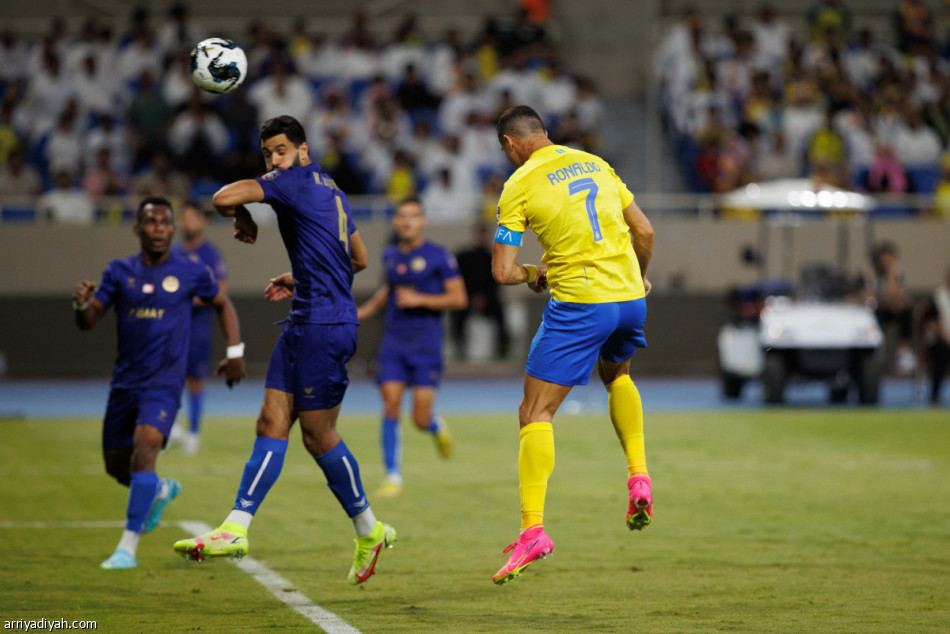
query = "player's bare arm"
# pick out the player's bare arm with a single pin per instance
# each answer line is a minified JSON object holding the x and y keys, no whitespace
{"x":506,"y":271}
{"x":232,"y":367}
{"x":87,"y":309}
{"x":643,"y":236}
{"x":280,"y":288}
{"x":453,"y":297}
{"x":372,"y":305}
{"x":359,"y":255}
{"x":229,"y":201}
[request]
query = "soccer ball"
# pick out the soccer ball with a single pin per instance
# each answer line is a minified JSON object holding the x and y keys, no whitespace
{"x":218,"y":65}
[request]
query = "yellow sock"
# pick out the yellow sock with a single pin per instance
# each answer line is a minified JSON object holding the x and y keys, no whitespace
{"x":535,"y":464}
{"x":626,"y":413}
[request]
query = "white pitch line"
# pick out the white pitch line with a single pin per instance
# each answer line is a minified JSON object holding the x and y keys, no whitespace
{"x":282,"y":589}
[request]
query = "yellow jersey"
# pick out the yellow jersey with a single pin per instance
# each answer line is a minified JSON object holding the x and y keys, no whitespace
{"x":574,"y":202}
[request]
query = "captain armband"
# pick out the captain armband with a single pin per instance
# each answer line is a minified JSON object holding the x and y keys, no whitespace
{"x":504,"y":235}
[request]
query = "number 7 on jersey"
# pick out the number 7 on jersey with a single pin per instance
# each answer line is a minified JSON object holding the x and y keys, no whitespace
{"x":588,"y":185}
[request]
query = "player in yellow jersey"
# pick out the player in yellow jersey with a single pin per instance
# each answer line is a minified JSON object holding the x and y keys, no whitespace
{"x":584,"y":217}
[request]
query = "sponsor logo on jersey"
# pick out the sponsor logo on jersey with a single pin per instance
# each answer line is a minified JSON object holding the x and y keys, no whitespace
{"x":148,"y":289}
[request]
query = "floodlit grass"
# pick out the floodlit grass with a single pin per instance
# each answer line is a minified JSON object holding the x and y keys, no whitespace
{"x":779,"y":520}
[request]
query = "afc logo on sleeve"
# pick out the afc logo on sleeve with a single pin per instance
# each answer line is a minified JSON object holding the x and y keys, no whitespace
{"x":271,"y":175}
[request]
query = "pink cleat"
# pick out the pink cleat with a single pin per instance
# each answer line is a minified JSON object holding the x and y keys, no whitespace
{"x":531,"y":545}
{"x":640,"y":510}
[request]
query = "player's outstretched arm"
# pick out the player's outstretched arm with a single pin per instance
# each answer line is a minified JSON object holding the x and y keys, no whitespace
{"x":372,"y":305}
{"x":233,"y":366}
{"x":643,"y":235}
{"x":229,"y":201}
{"x":452,"y":297}
{"x":506,"y":271}
{"x":359,"y":256}
{"x":87,"y":309}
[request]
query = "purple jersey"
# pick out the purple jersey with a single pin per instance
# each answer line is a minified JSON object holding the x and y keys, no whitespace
{"x":153,"y":317}
{"x":424,"y":270}
{"x":207,"y":254}
{"x":316,"y":224}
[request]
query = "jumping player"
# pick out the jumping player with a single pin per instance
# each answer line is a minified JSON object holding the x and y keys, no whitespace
{"x":152,"y":292}
{"x":422,"y":280}
{"x":196,"y":247}
{"x":584,"y":216}
{"x":307,"y":375}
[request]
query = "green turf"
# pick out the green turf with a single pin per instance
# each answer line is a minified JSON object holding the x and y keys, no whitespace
{"x":780,"y":520}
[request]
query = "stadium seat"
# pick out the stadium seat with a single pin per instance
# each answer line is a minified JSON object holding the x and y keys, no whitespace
{"x":923,"y":178}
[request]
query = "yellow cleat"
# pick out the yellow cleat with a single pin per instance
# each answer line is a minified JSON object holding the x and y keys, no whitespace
{"x":443,"y":440}
{"x":389,"y":489}
{"x":367,"y":552}
{"x":228,"y":540}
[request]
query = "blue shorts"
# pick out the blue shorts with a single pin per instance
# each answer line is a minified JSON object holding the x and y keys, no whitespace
{"x":412,"y":368}
{"x":572,"y":336}
{"x":309,"y":361}
{"x":127,"y":408}
{"x":199,"y":357}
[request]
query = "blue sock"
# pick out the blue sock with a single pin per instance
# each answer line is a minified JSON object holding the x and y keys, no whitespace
{"x":343,"y":478}
{"x":392,"y":445}
{"x":145,"y":486}
{"x":260,"y":473}
{"x":435,"y":425}
{"x":196,"y":405}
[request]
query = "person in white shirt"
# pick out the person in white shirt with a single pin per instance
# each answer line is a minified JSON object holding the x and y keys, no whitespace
{"x":66,"y":203}
{"x":771,"y":35}
{"x":446,"y":203}
{"x":281,"y":93}
{"x":936,"y":336}
{"x":915,"y":143}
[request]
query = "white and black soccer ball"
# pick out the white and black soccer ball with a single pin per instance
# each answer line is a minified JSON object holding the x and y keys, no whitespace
{"x":218,"y":65}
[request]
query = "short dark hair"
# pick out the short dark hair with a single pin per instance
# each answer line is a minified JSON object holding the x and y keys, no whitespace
{"x":519,"y":121}
{"x":151,"y":200}
{"x":411,"y":200}
{"x":284,"y":124}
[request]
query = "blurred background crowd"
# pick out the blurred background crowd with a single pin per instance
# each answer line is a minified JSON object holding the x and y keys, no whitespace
{"x":96,"y":114}
{"x":757,"y":100}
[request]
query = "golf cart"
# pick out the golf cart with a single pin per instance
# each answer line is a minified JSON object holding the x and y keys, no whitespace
{"x":780,"y":332}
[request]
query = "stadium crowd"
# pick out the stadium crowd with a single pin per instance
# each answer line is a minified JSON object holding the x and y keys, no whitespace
{"x":91,"y":122}
{"x":760,"y":100}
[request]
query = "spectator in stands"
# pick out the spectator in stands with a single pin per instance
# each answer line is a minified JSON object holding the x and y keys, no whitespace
{"x":829,"y":16}
{"x":474,"y":264}
{"x":179,"y":34}
{"x":894,"y":304}
{"x":915,"y":144}
{"x":771,"y":36}
{"x":101,"y":179}
{"x":13,"y":57}
{"x":17,"y":178}
{"x":95,"y":90}
{"x":64,"y":149}
{"x":861,"y":60}
{"x":282,"y":93}
{"x":149,"y":116}
{"x":47,"y":94}
{"x":139,"y":56}
{"x":827,"y":154}
{"x":106,"y":134}
{"x":10,"y":138}
{"x":942,"y":197}
{"x":413,"y":94}
{"x":447,"y":203}
{"x":402,"y":179}
{"x":913,"y":24}
{"x":342,"y":165}
{"x":407,"y":48}
{"x":936,"y":336}
{"x":160,"y":180}
{"x":197,"y":137}
{"x":886,"y":174}
{"x":456,"y":105}
{"x":802,"y":114}
{"x":66,"y":203}
{"x":177,"y":84}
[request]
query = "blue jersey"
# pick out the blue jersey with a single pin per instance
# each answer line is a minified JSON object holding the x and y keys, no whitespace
{"x":205,"y":253}
{"x":153,"y":316}
{"x":316,"y":224}
{"x":424,"y":270}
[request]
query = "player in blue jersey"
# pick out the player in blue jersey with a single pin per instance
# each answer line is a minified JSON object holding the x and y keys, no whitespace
{"x":307,"y":375}
{"x":422,"y":280}
{"x":196,"y":247}
{"x":152,"y":293}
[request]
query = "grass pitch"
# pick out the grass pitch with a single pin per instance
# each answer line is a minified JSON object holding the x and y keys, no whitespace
{"x":779,"y":520}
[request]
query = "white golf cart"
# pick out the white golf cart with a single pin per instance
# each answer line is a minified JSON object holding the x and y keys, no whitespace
{"x":780,"y":332}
